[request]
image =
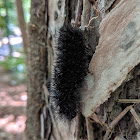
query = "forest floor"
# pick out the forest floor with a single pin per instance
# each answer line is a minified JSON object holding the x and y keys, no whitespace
{"x":13,"y":101}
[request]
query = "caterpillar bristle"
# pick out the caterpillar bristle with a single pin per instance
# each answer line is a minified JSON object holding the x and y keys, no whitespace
{"x":68,"y":72}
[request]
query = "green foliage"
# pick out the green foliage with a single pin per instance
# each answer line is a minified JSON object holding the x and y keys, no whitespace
{"x":2,"y":22}
{"x":17,"y":69}
{"x":8,"y":14}
{"x":12,"y":64}
{"x":8,"y":22}
{"x":26,"y":7}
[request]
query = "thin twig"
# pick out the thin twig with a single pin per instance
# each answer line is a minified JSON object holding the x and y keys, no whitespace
{"x":90,"y":21}
{"x":133,"y":112}
{"x":129,"y":101}
{"x":85,"y":13}
{"x":116,"y":120}
{"x":120,"y":116}
{"x":90,"y":132}
{"x":95,"y":9}
{"x":97,"y":12}
{"x":99,"y":121}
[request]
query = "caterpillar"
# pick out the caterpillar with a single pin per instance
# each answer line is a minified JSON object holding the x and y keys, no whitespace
{"x":70,"y":67}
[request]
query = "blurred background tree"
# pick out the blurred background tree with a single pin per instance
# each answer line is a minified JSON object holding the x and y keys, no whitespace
{"x":13,"y":93}
{"x":12,"y":56}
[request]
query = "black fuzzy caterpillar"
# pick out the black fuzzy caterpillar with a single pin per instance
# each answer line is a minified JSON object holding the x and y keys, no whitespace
{"x":68,"y":72}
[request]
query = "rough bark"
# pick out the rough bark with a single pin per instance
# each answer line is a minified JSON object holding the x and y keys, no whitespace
{"x":36,"y":69}
{"x":112,"y":118}
{"x":115,"y":115}
{"x":113,"y":59}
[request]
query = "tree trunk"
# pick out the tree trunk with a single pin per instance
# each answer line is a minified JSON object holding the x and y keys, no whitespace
{"x":104,"y":114}
{"x":22,"y":25}
{"x":37,"y":68}
{"x":7,"y":28}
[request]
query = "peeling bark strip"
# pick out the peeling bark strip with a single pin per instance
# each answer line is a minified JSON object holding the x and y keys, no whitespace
{"x":117,"y":54}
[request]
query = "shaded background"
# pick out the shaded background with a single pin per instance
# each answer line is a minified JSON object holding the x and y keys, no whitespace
{"x":13,"y":95}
